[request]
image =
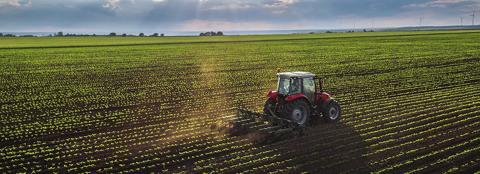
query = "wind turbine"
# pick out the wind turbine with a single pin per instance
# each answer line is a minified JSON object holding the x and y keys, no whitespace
{"x":473,"y":17}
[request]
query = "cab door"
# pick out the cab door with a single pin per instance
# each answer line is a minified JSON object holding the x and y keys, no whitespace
{"x":309,"y":89}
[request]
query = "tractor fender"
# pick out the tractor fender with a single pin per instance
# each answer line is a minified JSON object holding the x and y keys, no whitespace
{"x":272,"y":95}
{"x":295,"y":97}
{"x":323,"y":97}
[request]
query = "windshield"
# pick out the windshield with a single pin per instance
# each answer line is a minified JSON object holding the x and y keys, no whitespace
{"x":283,"y":86}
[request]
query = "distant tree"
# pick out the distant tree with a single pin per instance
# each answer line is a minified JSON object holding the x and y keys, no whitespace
{"x":60,"y":34}
{"x":364,"y":30}
{"x":141,"y":35}
{"x":124,"y":35}
{"x":112,"y":34}
{"x":1,"y":34}
{"x":328,"y":32}
{"x":212,"y":33}
{"x":154,"y":35}
{"x":94,"y":34}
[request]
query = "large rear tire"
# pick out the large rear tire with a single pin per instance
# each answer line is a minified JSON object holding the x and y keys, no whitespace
{"x":299,"y":112}
{"x":332,"y":112}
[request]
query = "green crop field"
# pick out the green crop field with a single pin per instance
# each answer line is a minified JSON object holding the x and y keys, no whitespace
{"x":410,"y":102}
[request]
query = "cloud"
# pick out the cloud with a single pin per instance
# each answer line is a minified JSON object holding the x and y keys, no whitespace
{"x":279,"y":6}
{"x":279,"y":3}
{"x":443,"y":3}
{"x":226,"y":5}
{"x":15,"y":3}
{"x":112,"y":4}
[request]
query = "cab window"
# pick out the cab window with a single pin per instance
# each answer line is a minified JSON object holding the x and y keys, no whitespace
{"x":296,"y":86}
{"x":309,"y":85}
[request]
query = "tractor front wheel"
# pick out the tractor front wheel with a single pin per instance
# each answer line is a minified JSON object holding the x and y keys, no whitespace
{"x":332,"y":112}
{"x":299,"y":112}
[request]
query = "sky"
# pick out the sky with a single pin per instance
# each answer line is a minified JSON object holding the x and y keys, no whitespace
{"x":227,"y":15}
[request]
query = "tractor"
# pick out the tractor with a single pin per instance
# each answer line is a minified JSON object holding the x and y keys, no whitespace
{"x":299,"y":98}
{"x":297,"y":102}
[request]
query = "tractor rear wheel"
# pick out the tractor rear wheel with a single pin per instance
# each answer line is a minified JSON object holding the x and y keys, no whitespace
{"x":332,"y":112}
{"x":299,"y":112}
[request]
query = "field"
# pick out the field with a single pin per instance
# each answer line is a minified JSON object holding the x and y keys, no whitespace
{"x":410,"y":101}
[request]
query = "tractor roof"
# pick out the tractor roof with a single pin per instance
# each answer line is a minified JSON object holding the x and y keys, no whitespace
{"x":287,"y":75}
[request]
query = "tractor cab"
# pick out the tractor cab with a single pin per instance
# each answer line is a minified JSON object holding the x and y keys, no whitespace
{"x":294,"y":83}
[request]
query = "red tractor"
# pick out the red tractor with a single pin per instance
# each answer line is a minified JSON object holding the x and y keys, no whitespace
{"x":300,"y":97}
{"x":288,"y":111}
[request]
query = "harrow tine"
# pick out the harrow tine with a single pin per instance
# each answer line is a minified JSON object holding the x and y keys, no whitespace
{"x":259,"y":127}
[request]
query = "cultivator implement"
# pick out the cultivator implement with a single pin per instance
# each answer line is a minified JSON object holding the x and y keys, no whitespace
{"x":262,"y":128}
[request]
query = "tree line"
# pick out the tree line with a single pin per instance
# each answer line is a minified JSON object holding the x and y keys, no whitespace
{"x":7,"y":35}
{"x":212,"y":33}
{"x":61,"y":34}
